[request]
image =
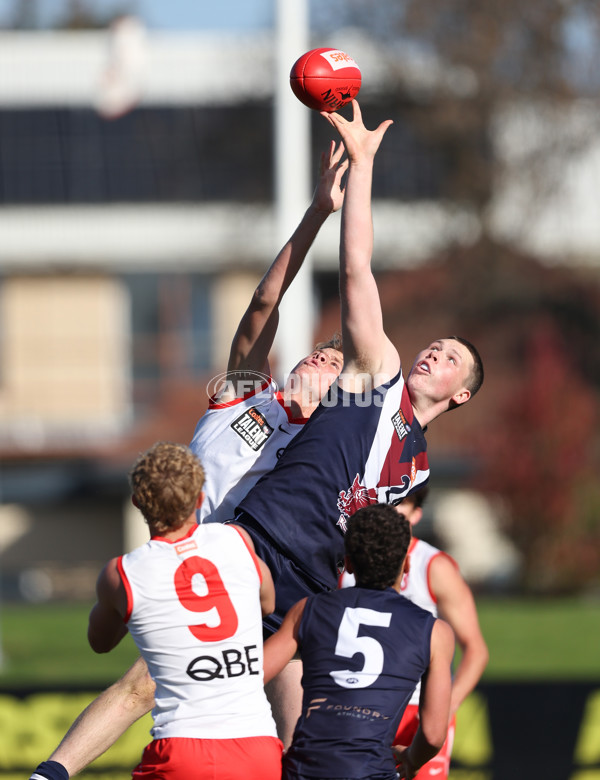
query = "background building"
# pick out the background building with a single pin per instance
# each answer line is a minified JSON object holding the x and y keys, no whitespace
{"x":137,"y":213}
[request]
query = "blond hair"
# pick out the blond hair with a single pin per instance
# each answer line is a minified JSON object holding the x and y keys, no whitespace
{"x":166,"y":481}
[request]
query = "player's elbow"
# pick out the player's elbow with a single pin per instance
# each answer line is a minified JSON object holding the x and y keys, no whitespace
{"x":478,"y":652}
{"x":264,"y":298}
{"x":100,"y":642}
{"x":438,"y":741}
{"x":434,"y":724}
{"x":98,"y":645}
{"x":435,"y":734}
{"x":484,"y":654}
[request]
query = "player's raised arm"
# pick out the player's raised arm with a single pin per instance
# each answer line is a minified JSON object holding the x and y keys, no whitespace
{"x":255,"y":334}
{"x":366,"y":346}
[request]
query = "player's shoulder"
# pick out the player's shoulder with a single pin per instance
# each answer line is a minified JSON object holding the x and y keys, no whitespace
{"x":423,"y":547}
{"x":423,"y":550}
{"x":442,"y":634}
{"x":228,"y":530}
{"x":443,"y":561}
{"x":445,"y":578}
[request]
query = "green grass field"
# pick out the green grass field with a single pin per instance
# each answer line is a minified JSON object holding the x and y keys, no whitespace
{"x":528,"y":639}
{"x":46,"y":647}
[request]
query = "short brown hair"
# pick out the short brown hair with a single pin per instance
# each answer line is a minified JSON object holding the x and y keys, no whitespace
{"x":335,"y":342}
{"x":416,"y":499}
{"x":166,"y":481}
{"x":475,"y":378}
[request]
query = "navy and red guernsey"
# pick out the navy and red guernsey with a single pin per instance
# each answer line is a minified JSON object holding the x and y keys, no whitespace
{"x":355,"y":450}
{"x":363,"y":652}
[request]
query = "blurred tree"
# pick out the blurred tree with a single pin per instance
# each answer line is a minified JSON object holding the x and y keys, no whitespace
{"x":457,"y":71}
{"x":456,"y":66}
{"x":531,"y":435}
{"x":543,"y":459}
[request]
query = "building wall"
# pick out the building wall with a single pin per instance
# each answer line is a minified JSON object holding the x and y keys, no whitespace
{"x":64,"y":361}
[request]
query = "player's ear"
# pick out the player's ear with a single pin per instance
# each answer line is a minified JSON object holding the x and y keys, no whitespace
{"x":200,"y":499}
{"x":415,"y":515}
{"x":134,"y":502}
{"x":403,"y":570}
{"x":461,"y":397}
{"x":406,"y":567}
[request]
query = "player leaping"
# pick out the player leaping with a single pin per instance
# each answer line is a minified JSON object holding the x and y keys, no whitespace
{"x":231,"y":463}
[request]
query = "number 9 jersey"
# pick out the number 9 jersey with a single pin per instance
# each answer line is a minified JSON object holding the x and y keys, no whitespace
{"x":193,"y":610}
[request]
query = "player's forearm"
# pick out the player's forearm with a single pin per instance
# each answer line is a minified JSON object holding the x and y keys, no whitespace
{"x":290,"y":259}
{"x":468,"y":674}
{"x":103,"y":721}
{"x":422,"y":750}
{"x":256,"y":332}
{"x":279,"y":650}
{"x":356,"y":244}
{"x":96,"y":729}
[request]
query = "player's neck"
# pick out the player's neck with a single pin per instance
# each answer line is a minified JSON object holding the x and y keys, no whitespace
{"x":426,"y":411}
{"x":177,"y":533}
{"x":299,"y":407}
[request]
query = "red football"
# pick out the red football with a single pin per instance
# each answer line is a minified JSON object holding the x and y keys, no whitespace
{"x":325,"y":79}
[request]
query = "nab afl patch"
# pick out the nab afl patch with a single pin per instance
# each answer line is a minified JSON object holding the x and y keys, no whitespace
{"x":400,"y":424}
{"x":252,"y":427}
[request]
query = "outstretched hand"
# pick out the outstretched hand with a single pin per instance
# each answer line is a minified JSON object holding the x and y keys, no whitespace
{"x":360,"y":143}
{"x":406,"y":771}
{"x":329,"y":194}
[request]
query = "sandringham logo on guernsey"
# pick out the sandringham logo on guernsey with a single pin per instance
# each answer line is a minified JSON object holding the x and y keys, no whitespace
{"x":338,"y":59}
{"x":400,"y":424}
{"x":252,"y":427}
{"x":185,"y":547}
{"x":351,"y":500}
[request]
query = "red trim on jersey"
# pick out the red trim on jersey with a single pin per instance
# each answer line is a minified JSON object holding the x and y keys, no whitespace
{"x":175,"y":541}
{"x":296,"y":420}
{"x":127,"y":586}
{"x":214,"y":404}
{"x":431,"y":560}
{"x":396,"y":446}
{"x":251,"y":551}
